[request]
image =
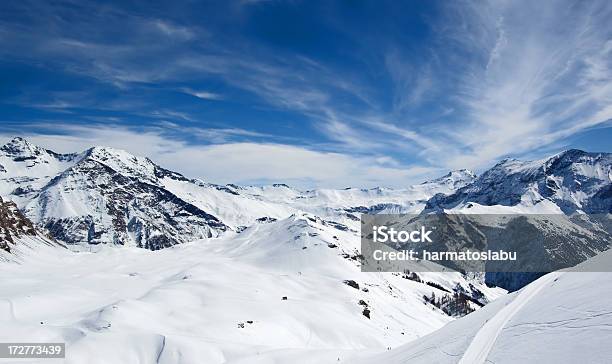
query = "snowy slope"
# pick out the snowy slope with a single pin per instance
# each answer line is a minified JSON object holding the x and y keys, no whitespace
{"x":18,"y":235}
{"x":563,"y":317}
{"x":25,"y":168}
{"x":233,"y":208}
{"x":221,"y":300}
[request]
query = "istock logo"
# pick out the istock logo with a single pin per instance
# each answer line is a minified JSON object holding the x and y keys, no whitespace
{"x":384,"y":234}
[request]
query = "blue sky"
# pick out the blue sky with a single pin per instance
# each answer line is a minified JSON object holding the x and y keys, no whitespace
{"x":315,"y":94}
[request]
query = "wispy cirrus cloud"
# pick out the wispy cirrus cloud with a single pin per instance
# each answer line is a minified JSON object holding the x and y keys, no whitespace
{"x":412,"y":82}
{"x":173,"y":30}
{"x":201,"y":94}
{"x":543,"y":74}
{"x":479,"y":82}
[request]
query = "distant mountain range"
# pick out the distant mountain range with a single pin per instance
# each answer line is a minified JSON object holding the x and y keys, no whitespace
{"x":108,"y":196}
{"x":272,"y":267}
{"x":105,"y":195}
{"x":569,"y":182}
{"x":256,"y":265}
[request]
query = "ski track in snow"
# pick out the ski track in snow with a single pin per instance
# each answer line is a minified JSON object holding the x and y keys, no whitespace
{"x":485,"y":338}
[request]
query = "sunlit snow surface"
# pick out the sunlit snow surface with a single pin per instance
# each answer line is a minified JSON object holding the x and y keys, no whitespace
{"x":187,"y":304}
{"x":563,"y":317}
{"x":220,"y":300}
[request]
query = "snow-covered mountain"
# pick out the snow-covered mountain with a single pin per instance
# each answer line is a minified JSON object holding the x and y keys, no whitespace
{"x":26,"y":168}
{"x":105,"y":195}
{"x":569,"y":182}
{"x":386,"y":200}
{"x":18,"y":233}
{"x":451,"y":181}
{"x":265,"y":274}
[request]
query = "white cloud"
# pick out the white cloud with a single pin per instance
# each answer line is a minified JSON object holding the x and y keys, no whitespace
{"x":412,"y":84}
{"x":512,"y":77}
{"x":257,"y":163}
{"x":345,"y":133}
{"x":201,"y":94}
{"x":545,"y":76}
{"x":240,"y":162}
{"x":173,"y":30}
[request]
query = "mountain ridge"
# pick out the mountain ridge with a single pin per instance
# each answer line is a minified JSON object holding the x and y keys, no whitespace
{"x":100,"y":196}
{"x":107,"y":195}
{"x":573,"y":180}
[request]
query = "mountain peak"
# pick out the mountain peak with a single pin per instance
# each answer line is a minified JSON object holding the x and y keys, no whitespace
{"x":108,"y":154}
{"x":576,"y":155}
{"x":18,"y":146}
{"x":19,"y":140}
{"x":459,"y":175}
{"x":573,"y":151}
{"x":101,"y":150}
{"x":122,"y":162}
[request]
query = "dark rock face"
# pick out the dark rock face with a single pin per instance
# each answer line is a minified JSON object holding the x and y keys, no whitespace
{"x":13,"y":224}
{"x":131,"y":207}
{"x":102,"y":196}
{"x":73,"y":229}
{"x":280,"y":185}
{"x":574,"y":180}
{"x":351,"y":283}
{"x":512,"y":281}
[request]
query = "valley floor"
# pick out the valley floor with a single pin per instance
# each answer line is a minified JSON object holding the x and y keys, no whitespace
{"x":216,"y":299}
{"x":277,"y":293}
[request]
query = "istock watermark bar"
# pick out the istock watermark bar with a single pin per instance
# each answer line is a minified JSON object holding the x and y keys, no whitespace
{"x":483,"y":243}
